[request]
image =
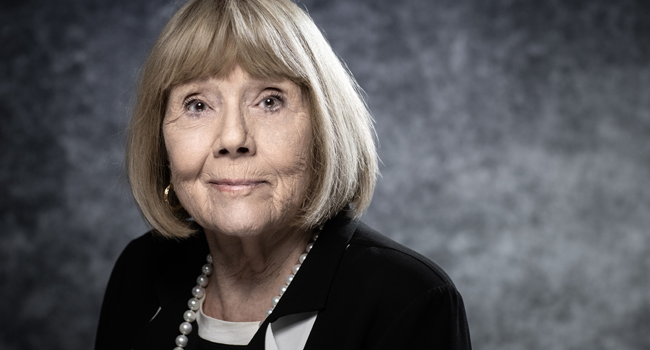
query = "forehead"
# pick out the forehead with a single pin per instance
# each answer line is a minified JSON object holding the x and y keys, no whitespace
{"x":237,"y":78}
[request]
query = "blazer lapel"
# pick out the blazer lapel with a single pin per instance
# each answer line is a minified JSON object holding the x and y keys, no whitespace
{"x":310,"y":287}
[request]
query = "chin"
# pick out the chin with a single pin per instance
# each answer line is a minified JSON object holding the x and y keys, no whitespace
{"x":246,"y":220}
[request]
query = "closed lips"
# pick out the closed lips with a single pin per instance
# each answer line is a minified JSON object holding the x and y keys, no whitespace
{"x":237,"y":182}
{"x":236,"y":185}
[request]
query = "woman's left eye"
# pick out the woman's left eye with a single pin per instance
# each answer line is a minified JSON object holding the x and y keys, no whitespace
{"x":271,"y":103}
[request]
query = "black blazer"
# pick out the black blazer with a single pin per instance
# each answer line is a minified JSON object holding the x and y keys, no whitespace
{"x":369,"y":292}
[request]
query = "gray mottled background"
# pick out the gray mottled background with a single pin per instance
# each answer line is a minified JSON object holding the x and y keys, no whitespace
{"x":514,"y":138}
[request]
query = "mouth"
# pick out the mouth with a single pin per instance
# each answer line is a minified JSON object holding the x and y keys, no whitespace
{"x":236,"y":185}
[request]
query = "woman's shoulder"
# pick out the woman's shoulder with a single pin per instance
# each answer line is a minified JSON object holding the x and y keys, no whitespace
{"x":387,"y":296}
{"x":150,"y":273}
{"x":373,"y":250}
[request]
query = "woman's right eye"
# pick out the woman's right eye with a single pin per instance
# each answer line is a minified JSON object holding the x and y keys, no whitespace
{"x":196,"y":106}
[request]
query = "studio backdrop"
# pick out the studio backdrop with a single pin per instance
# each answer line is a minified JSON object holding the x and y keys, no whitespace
{"x":514,"y":137}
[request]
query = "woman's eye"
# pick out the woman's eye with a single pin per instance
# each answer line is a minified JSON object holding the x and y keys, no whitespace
{"x":196,"y":106}
{"x":270,"y":103}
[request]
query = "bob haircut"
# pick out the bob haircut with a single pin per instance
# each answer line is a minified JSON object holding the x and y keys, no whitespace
{"x":269,"y":39}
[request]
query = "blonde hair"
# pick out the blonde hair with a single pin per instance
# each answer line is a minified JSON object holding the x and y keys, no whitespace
{"x":268,"y":39}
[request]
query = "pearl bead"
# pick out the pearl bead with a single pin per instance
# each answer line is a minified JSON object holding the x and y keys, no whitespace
{"x":185,"y":328}
{"x":275,"y":301}
{"x":209,"y":258}
{"x":282,"y":290}
{"x":181,"y":341}
{"x":178,"y":348}
{"x":202,"y":280}
{"x":289,"y":279}
{"x":207,"y":269}
{"x":314,"y":237}
{"x":198,"y":292}
{"x":193,"y":304}
{"x":309,"y":246}
{"x":295,"y":269}
{"x":189,"y":316}
{"x":268,"y":312}
{"x":302,"y":258}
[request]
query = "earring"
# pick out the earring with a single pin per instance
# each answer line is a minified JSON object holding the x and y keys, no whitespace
{"x":168,"y":189}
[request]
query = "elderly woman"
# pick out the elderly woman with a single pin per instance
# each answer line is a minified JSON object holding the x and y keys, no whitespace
{"x":251,"y":154}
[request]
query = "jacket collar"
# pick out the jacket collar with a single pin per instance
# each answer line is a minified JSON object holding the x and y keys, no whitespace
{"x":310,"y":288}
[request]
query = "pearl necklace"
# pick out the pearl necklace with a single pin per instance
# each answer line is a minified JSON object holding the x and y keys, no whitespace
{"x":198,"y":293}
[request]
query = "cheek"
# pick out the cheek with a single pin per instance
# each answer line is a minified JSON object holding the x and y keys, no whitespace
{"x":303,"y":144}
{"x":186,"y":153}
{"x":291,"y":149}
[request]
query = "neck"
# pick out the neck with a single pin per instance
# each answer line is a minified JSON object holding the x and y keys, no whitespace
{"x":248,"y":271}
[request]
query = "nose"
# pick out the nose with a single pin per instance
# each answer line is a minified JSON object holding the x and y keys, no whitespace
{"x":234,"y":138}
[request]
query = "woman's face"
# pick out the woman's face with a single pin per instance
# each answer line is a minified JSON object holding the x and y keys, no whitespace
{"x":239,"y":150}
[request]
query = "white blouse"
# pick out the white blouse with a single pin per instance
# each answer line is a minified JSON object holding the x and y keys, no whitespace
{"x":287,"y":333}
